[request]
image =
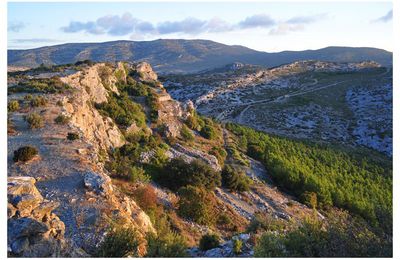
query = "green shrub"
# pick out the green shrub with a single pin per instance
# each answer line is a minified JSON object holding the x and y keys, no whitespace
{"x":237,"y":246}
{"x":13,"y":105}
{"x":119,"y":242}
{"x":59,"y":103}
{"x":343,"y":236}
{"x":25,"y":153}
{"x":28,"y":97}
{"x":196,"y":204}
{"x":208,"y":132}
{"x":62,"y":119}
{"x":235,"y":180}
{"x":38,"y":101}
{"x":192,"y":122}
{"x":122,"y":110}
{"x":209,"y":241}
{"x":48,"y":85}
{"x":72,"y":136}
{"x":186,"y":134}
{"x":265,"y":222}
{"x":178,"y":173}
{"x":125,"y":169}
{"x":310,"y":199}
{"x":34,"y":120}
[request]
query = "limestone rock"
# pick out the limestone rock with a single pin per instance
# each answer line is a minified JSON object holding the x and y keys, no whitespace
{"x":146,"y":72}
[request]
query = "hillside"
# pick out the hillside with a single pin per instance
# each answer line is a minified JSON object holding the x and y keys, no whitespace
{"x":185,"y":56}
{"x":103,"y":162}
{"x":345,"y":103}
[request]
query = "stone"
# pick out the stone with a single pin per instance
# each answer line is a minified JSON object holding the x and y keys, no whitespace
{"x":26,"y":203}
{"x":25,"y":227}
{"x":44,"y":209}
{"x":94,"y":182}
{"x":146,"y":72}
{"x":11,"y":210}
{"x":20,"y":245}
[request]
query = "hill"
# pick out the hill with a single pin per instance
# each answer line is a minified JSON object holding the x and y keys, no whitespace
{"x":185,"y":56}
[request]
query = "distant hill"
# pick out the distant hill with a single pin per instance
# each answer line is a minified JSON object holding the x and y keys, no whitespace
{"x":185,"y":56}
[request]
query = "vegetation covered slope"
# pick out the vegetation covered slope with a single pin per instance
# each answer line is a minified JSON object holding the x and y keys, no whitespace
{"x":183,"y":56}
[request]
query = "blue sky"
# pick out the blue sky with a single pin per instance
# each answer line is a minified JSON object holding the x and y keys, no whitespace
{"x":268,"y":26}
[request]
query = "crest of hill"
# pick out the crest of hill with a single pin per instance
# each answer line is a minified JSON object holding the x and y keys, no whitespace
{"x":185,"y":56}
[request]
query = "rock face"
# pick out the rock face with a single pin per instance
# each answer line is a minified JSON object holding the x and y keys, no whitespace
{"x":33,"y":230}
{"x":189,"y":154}
{"x":146,"y":72}
{"x":98,"y":130}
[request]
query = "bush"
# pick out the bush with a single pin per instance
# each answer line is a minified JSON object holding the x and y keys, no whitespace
{"x":237,"y":246}
{"x":235,"y":180}
{"x":265,"y":222}
{"x":119,"y":242}
{"x":166,"y":243}
{"x":343,"y":236}
{"x":28,"y":97}
{"x":38,"y":101}
{"x":13,"y":105}
{"x":34,"y":120}
{"x":125,"y":169}
{"x":72,"y":136}
{"x":310,"y":199}
{"x":192,"y":122}
{"x":146,"y":198}
{"x":208,"y":132}
{"x":196,"y":204}
{"x":186,"y":134}
{"x":62,"y":119}
{"x":25,"y":153}
{"x":178,"y":173}
{"x":208,"y":242}
{"x":48,"y":85}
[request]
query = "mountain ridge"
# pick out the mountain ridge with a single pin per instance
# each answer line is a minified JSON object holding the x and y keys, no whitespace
{"x":186,"y":56}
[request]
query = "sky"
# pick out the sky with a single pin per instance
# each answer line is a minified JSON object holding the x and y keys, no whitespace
{"x":263,"y":26}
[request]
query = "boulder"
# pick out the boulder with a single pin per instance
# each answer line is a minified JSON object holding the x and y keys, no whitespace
{"x":146,"y":72}
{"x":96,"y":182}
{"x":25,"y":227}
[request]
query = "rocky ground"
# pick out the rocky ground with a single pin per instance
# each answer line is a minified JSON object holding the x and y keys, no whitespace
{"x":332,"y":102}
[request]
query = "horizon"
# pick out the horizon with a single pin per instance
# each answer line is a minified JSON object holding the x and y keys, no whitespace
{"x":261,"y":26}
{"x":199,"y":39}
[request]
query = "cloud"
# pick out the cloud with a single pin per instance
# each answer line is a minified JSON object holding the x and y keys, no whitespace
{"x":285,"y":28}
{"x":189,"y":25}
{"x":258,"y":20}
{"x":89,"y":27}
{"x":15,"y":26}
{"x":126,"y":24}
{"x":384,"y":19}
{"x":306,"y":19}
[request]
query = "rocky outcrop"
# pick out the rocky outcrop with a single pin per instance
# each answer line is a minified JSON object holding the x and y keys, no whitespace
{"x":145,"y":72}
{"x":33,"y":230}
{"x":189,"y":154}
{"x":226,"y":249}
{"x":98,"y":130}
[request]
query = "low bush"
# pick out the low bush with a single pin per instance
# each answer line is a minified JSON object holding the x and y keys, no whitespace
{"x":265,"y":222}
{"x":13,"y":105}
{"x":208,"y":132}
{"x":38,"y":101}
{"x":177,"y":173}
{"x":48,"y":85}
{"x":125,"y":169}
{"x":186,"y":134}
{"x":62,"y":119}
{"x":196,"y":204}
{"x":235,"y":180}
{"x":119,"y":242}
{"x":146,"y":198}
{"x":237,"y":246}
{"x":209,"y":241}
{"x":72,"y":136}
{"x":25,"y":153}
{"x":166,"y":243}
{"x":34,"y":120}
